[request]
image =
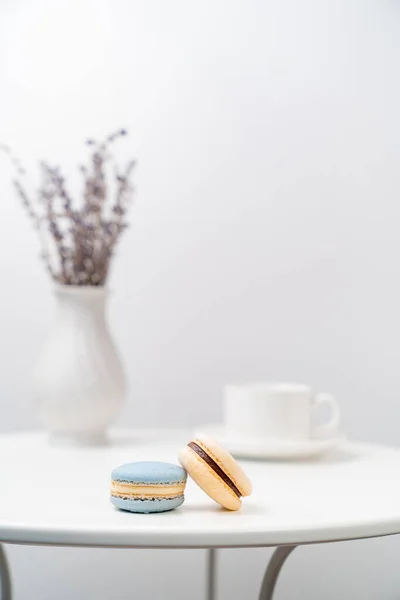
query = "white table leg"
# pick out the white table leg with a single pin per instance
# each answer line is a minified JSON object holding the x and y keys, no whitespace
{"x":212,"y":574}
{"x":5,"y":578}
{"x":273,"y":569}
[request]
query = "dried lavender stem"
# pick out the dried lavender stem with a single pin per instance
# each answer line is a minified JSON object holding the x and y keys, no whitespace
{"x":81,"y":239}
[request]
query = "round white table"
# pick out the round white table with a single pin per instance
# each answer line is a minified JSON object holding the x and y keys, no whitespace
{"x":59,"y":496}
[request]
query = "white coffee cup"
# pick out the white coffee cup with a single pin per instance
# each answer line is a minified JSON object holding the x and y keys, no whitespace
{"x":277,"y":410}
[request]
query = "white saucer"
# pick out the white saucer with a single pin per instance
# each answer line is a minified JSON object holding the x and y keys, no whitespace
{"x":272,"y":448}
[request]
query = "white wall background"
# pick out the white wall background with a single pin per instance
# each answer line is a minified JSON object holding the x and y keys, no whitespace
{"x":265,"y":239}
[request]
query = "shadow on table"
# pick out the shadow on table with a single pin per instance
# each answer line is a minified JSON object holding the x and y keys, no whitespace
{"x":248,"y":509}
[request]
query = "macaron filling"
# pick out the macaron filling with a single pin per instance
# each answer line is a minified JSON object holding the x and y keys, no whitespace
{"x":123,"y":489}
{"x":215,"y":467}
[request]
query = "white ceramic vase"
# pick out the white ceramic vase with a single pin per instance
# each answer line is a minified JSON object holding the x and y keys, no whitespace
{"x":79,"y":382}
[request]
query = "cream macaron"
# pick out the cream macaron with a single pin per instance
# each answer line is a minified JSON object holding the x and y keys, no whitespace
{"x":215,"y":471}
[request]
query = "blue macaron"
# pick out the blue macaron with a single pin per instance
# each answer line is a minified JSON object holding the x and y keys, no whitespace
{"x":148,"y":487}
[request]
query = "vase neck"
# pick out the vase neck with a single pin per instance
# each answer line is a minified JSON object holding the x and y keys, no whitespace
{"x":81,"y":299}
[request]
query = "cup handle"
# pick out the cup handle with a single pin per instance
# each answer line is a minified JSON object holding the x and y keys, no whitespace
{"x":330,"y":428}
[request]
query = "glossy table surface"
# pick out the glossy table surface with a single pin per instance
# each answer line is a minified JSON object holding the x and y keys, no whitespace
{"x":60,"y":496}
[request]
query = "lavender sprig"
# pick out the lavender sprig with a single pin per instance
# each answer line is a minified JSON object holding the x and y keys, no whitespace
{"x":82,"y":240}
